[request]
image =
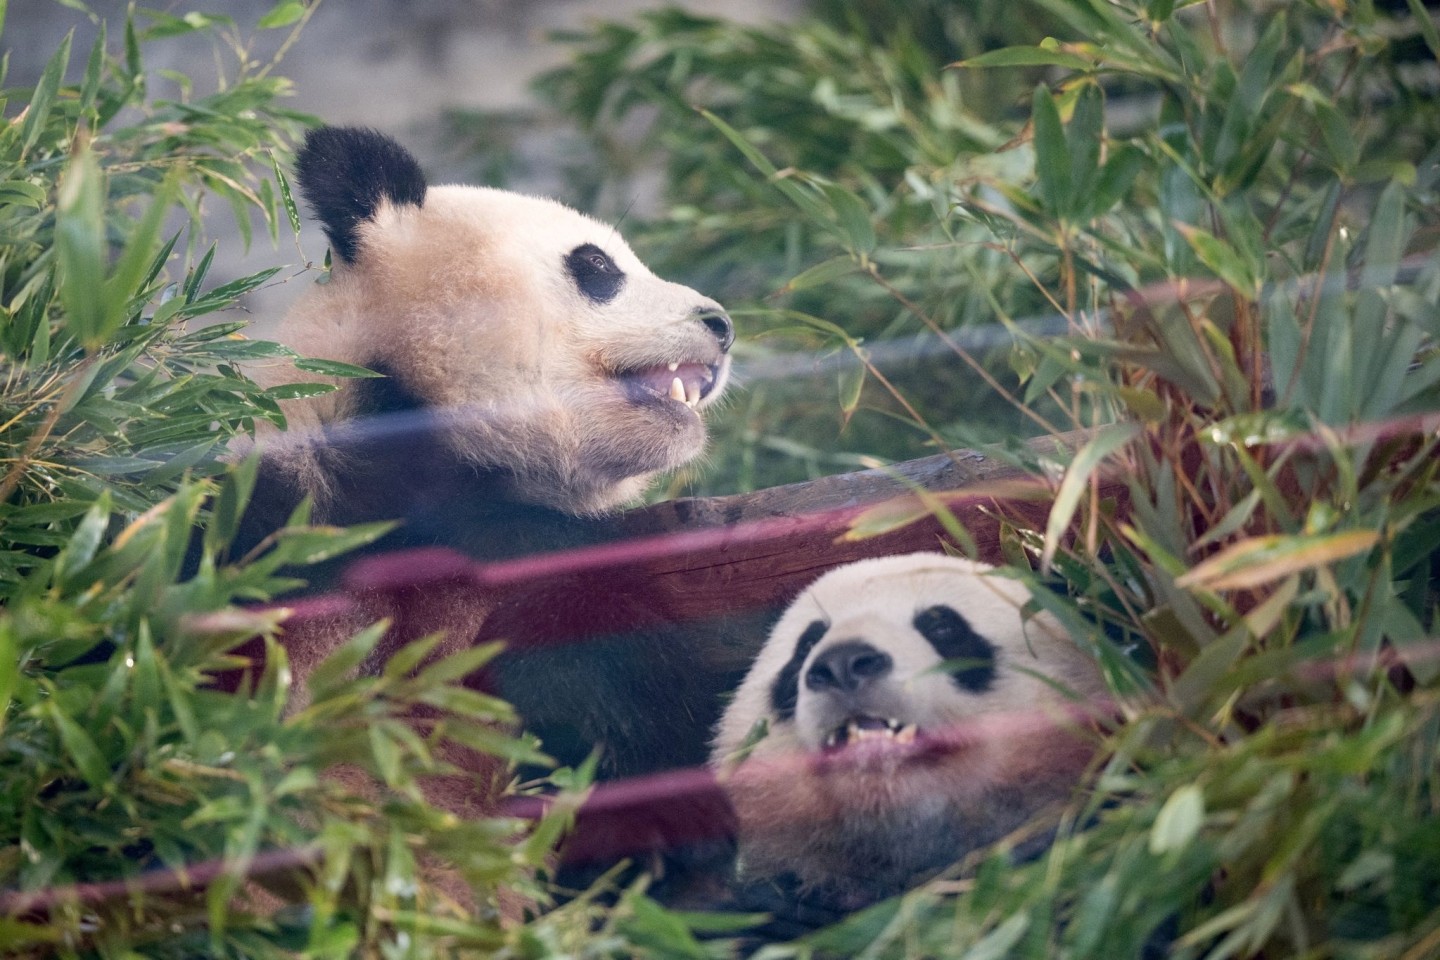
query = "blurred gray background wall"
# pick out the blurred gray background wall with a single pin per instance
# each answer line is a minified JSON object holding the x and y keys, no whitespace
{"x":399,"y":65}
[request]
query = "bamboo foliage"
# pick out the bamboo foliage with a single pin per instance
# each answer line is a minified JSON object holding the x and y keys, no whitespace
{"x":1231,"y":209}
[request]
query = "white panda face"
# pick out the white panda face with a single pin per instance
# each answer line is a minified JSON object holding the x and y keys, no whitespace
{"x":877,"y":657}
{"x":906,"y":726}
{"x":550,"y":348}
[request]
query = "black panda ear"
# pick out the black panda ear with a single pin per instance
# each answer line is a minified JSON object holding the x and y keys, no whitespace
{"x":346,"y":172}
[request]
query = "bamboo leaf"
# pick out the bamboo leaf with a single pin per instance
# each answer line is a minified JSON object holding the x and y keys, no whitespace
{"x":1025,"y":57}
{"x":1077,"y":477}
{"x":1261,"y":560}
{"x":287,"y":199}
{"x":41,"y":101}
{"x":83,"y":751}
{"x":853,"y":219}
{"x":458,"y":665}
{"x":80,"y":247}
{"x":1222,"y":259}
{"x":1083,"y":138}
{"x":136,"y":259}
{"x":283,"y":14}
{"x":1427,"y":26}
{"x":334,"y":368}
{"x":299,"y":391}
{"x":821,"y":274}
{"x":1179,"y":820}
{"x":1052,"y":155}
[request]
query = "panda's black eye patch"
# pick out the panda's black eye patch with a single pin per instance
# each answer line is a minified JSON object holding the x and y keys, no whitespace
{"x":952,"y":637}
{"x":785,"y":691}
{"x":595,"y":274}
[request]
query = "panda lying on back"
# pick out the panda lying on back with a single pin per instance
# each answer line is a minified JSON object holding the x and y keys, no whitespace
{"x":536,"y":376}
{"x":902,"y":721}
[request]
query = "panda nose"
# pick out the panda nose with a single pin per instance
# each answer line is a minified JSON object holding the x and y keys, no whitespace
{"x":719,"y":324}
{"x":847,"y":666}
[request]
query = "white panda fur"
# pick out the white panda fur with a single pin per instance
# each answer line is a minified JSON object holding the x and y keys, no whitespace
{"x":991,"y":744}
{"x":462,"y":295}
{"x":528,"y":356}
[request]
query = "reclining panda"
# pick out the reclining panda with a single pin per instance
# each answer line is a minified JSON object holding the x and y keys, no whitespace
{"x":901,"y":715}
{"x":536,"y":377}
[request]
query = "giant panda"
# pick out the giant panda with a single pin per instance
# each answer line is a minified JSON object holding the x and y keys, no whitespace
{"x":901,"y":714}
{"x":536,"y":377}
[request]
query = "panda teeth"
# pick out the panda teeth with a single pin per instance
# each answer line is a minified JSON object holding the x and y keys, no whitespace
{"x":677,"y":390}
{"x":672,"y":366}
{"x":692,"y":396}
{"x":853,"y":732}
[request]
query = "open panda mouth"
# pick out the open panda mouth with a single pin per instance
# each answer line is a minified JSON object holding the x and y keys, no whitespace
{"x":685,"y":383}
{"x":867,"y":729}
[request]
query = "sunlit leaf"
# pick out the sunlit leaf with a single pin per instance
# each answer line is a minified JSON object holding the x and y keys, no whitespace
{"x":1260,"y":560}
{"x":1078,"y":476}
{"x":1179,"y":820}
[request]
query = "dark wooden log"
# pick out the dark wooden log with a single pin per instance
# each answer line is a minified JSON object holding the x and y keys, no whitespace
{"x":703,"y":557}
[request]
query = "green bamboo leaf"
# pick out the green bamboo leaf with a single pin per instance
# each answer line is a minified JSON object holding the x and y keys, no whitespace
{"x":853,"y":218}
{"x":334,"y":672}
{"x":83,"y":751}
{"x":1052,"y":154}
{"x":1179,"y":820}
{"x":757,"y":159}
{"x":807,"y":201}
{"x":1222,"y":259}
{"x":181,"y":461}
{"x":80,"y":247}
{"x":157,"y":263}
{"x":287,"y":199}
{"x":821,"y":274}
{"x":309,"y":545}
{"x":139,"y":253}
{"x":1426,"y":25}
{"x":1000,"y":942}
{"x":84,"y":543}
{"x":386,"y":754}
{"x":1087,"y":460}
{"x":230,"y":505}
{"x":191,"y":290}
{"x":214,"y":332}
{"x":299,"y":391}
{"x":485,"y":738}
{"x":886,"y":517}
{"x":283,"y":14}
{"x":227,"y":293}
{"x":9,"y":669}
{"x":117,"y":466}
{"x":458,"y":665}
{"x":333,"y":368}
{"x":38,"y":111}
{"x":1026,"y":57}
{"x":409,"y":657}
{"x":22,"y":193}
{"x":851,"y":384}
{"x":90,"y":86}
{"x":1115,"y":179}
{"x":464,"y":702}
{"x":1083,"y":138}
